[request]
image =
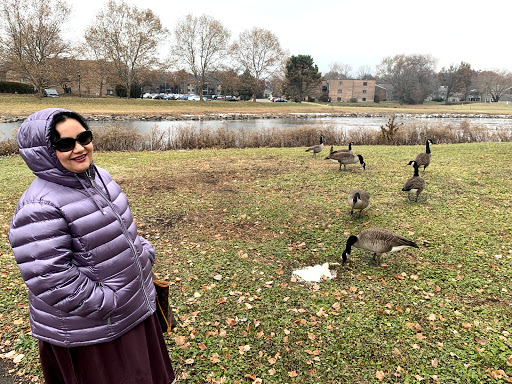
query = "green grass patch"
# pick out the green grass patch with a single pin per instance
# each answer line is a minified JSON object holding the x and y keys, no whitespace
{"x":230,"y":226}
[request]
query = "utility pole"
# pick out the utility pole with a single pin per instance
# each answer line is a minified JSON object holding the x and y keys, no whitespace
{"x":79,"y":91}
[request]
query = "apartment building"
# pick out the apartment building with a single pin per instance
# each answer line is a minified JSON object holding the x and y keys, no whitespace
{"x":349,"y":90}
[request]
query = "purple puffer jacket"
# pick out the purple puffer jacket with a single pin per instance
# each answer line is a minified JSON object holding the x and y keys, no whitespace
{"x":76,"y":245}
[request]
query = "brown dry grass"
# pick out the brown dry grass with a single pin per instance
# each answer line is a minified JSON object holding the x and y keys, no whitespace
{"x":24,"y":105}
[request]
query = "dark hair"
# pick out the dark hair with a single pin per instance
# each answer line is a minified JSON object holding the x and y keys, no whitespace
{"x":63,"y":116}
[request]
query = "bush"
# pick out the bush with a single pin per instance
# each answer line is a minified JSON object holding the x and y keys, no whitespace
{"x":135,"y":91}
{"x":9,"y":146}
{"x":353,"y":100}
{"x":13,"y":87}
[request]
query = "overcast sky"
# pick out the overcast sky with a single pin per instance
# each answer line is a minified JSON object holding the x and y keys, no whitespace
{"x":357,"y":33}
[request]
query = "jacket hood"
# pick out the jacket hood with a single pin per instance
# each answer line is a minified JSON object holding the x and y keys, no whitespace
{"x":35,"y":148}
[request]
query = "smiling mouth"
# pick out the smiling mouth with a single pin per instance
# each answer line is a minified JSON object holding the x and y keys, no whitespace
{"x":80,"y":158}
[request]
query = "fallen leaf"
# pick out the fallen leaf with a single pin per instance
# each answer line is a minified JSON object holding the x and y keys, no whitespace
{"x":215,"y":358}
{"x":435,"y":362}
{"x":466,"y":326}
{"x":292,"y":374}
{"x":379,"y":375}
{"x":18,"y":358}
{"x":189,"y":361}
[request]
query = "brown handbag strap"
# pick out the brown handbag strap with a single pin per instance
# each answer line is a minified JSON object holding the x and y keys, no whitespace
{"x":161,"y":283}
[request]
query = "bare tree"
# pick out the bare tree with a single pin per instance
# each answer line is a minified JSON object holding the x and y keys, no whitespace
{"x":259,"y":53}
{"x":202,"y":42}
{"x":412,"y":76}
{"x":465,"y":74}
{"x":494,"y":84}
{"x":229,"y":81}
{"x":449,"y":78}
{"x":338,"y":71}
{"x":365,"y":72}
{"x":30,"y":34}
{"x":128,"y":37}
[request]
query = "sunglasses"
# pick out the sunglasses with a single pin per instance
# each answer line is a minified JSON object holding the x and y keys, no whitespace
{"x":67,"y":144}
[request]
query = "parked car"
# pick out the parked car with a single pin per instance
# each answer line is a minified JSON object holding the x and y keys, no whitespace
{"x":280,"y":100}
{"x":50,"y":93}
{"x":231,"y":98}
{"x":193,"y":98}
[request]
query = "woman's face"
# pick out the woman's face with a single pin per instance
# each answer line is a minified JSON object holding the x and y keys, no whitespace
{"x":79,"y":158}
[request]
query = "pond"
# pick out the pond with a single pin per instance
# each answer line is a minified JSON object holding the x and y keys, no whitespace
{"x":345,"y":123}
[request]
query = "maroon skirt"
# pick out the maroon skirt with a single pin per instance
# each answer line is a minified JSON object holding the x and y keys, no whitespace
{"x":139,"y":356}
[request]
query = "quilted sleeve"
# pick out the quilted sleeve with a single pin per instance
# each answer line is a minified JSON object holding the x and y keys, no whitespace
{"x":41,"y":242}
{"x":149,"y":248}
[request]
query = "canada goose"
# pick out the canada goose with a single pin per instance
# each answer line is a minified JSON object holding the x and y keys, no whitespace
{"x":344,"y":149}
{"x":423,"y":159}
{"x":345,"y":158}
{"x":358,"y":199}
{"x":414,"y":183}
{"x":317,"y":148}
{"x":378,"y":241}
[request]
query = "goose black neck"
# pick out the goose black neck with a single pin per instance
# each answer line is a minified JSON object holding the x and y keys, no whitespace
{"x":356,"y":196}
{"x":416,"y":169}
{"x":428,"y":146}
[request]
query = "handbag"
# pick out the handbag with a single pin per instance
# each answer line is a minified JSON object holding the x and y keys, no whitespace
{"x":164,"y":311}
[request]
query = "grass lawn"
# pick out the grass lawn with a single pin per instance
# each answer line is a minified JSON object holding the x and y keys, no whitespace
{"x":24,"y":105}
{"x":230,"y":226}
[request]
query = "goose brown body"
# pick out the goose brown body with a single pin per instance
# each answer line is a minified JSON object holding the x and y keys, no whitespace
{"x":358,"y":199}
{"x":317,"y":148}
{"x":378,"y":241}
{"x":344,"y":149}
{"x":423,"y":159}
{"x":415,"y":183}
{"x":346,"y":158}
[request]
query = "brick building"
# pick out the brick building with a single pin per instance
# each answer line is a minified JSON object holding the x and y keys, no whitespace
{"x":349,"y":90}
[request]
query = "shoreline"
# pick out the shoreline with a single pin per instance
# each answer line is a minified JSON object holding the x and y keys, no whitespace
{"x":6,"y":119}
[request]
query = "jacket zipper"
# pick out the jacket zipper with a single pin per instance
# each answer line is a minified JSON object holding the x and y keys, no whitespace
{"x":126,"y":234}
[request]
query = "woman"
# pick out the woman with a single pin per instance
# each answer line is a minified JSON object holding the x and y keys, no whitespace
{"x":88,"y":272}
